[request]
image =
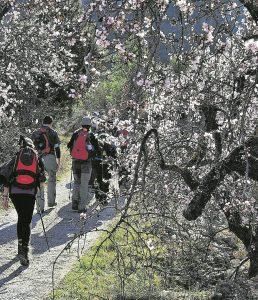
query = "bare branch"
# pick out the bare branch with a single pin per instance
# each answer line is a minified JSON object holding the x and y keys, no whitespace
{"x":252,"y":7}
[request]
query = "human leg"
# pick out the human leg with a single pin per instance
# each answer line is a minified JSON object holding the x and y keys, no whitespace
{"x":24,"y":206}
{"x":85,"y":177}
{"x":40,"y":199}
{"x":51,"y":169}
{"x":76,"y":168}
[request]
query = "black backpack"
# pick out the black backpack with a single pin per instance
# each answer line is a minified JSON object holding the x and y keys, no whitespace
{"x":41,"y":141}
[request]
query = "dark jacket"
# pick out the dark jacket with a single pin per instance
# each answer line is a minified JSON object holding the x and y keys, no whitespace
{"x":53,"y":139}
{"x":92,"y":140}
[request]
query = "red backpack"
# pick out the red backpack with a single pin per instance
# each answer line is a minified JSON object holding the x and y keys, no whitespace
{"x":26,"y":168}
{"x":79,"y":150}
{"x":45,"y":142}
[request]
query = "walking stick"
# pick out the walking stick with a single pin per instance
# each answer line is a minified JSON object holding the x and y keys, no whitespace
{"x":44,"y":230}
{"x":71,"y":183}
{"x":43,"y":226}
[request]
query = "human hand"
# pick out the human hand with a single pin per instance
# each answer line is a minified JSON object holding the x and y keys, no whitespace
{"x":42,"y":184}
{"x":58,"y":165}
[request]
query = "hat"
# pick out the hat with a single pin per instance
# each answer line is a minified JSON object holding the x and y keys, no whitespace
{"x":86,"y":121}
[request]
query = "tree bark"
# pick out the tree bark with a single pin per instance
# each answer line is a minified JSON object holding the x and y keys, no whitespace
{"x":234,"y":162}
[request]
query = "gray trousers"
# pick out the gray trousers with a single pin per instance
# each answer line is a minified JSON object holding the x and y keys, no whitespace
{"x":50,"y":165}
{"x":81,"y":174}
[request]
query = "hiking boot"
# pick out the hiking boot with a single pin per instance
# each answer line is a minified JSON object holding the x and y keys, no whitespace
{"x":74,"y":206}
{"x":23,"y":256}
{"x":52,"y":205}
{"x":40,"y":211}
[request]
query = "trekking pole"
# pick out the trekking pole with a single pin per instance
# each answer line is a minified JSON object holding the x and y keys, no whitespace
{"x":44,"y":230}
{"x":43,"y":226}
{"x":71,"y":183}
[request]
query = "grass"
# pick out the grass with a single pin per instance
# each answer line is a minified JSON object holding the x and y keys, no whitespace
{"x":100,"y":275}
{"x":109,"y":273}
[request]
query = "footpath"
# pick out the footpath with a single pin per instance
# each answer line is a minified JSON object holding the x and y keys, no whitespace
{"x":61,"y":224}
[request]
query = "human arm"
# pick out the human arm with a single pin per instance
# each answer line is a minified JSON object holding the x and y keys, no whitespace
{"x":58,"y":156}
{"x":42,"y":174}
{"x":5,"y":197}
{"x":57,"y":149}
{"x":71,"y":142}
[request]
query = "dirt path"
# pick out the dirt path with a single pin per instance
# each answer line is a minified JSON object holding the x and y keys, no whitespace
{"x":35,"y":282}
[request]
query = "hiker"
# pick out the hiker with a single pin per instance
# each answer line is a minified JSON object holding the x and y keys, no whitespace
{"x":83,"y":146}
{"x":103,"y":165}
{"x":47,"y":143}
{"x":22,"y":177}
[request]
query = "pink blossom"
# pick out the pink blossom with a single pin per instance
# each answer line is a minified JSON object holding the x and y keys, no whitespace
{"x":110,"y":21}
{"x":205,"y":27}
{"x":140,"y":82}
{"x":141,"y":34}
{"x":252,"y":45}
{"x":71,"y":42}
{"x":83,"y":79}
{"x":210,"y":37}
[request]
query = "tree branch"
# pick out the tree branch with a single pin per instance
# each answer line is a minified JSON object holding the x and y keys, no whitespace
{"x":4,"y":8}
{"x":234,"y":162}
{"x":252,"y":7}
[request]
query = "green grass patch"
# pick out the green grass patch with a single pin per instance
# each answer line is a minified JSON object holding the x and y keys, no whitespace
{"x":120,"y":269}
{"x":109,"y":272}
{"x":125,"y":268}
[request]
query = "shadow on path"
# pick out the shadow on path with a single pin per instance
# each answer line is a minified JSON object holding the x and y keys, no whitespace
{"x":8,"y":233}
{"x":14,"y":274}
{"x":69,"y":225}
{"x":8,"y":264}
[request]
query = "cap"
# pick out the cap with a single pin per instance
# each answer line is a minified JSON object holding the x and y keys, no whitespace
{"x":86,"y":121}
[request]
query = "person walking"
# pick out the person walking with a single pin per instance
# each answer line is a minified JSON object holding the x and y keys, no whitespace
{"x":24,"y":175}
{"x":47,"y":143}
{"x":83,"y":146}
{"x":104,"y":165}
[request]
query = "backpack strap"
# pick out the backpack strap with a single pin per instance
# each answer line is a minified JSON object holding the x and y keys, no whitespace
{"x":45,"y":132}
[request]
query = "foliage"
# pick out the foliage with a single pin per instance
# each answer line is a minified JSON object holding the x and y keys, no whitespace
{"x":192,"y":87}
{"x":117,"y":265}
{"x":109,"y":92}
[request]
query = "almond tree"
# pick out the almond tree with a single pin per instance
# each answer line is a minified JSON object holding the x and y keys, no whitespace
{"x":202,"y":105}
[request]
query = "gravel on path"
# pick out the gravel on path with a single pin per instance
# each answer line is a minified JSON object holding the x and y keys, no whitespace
{"x":61,"y":224}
